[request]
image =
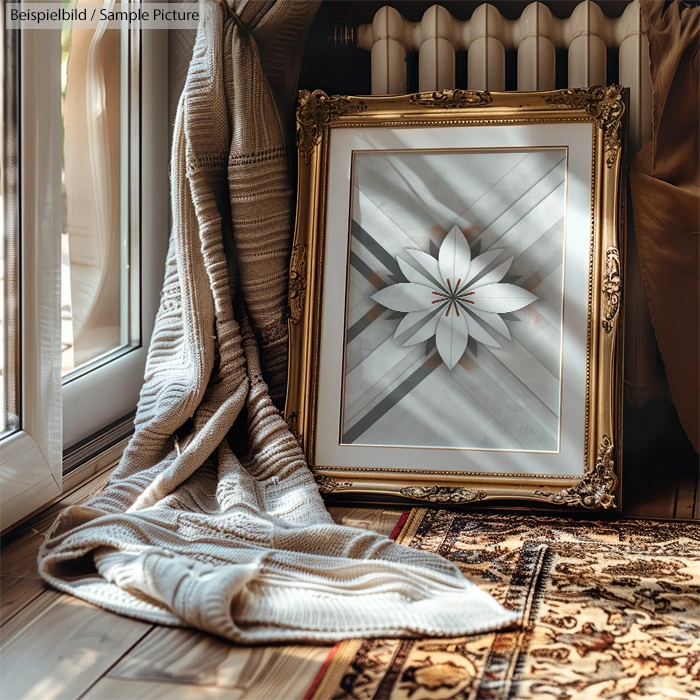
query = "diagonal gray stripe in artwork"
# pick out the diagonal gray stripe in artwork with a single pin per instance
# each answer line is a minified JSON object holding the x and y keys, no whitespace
{"x":500,"y":227}
{"x":363,"y":238}
{"x":364,"y":322}
{"x":431,"y":363}
{"x":376,"y":249}
{"x":539,"y":254}
{"x":365,"y":270}
{"x":519,"y":199}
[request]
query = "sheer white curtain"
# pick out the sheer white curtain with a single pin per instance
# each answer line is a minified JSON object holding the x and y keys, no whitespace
{"x":92,"y":175}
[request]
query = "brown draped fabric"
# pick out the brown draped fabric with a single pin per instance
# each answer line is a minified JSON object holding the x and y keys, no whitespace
{"x":665,"y":187}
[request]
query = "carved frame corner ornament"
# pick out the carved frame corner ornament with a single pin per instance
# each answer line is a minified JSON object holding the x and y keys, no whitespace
{"x":605,"y":105}
{"x":443,"y":494}
{"x":327,"y":484}
{"x":596,"y":489}
{"x":611,"y":288}
{"x":452,"y":99}
{"x":315,"y":112}
{"x":297,"y":282}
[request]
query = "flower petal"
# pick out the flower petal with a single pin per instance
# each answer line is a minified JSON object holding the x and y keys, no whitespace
{"x":427,"y":262}
{"x":455,"y":257}
{"x":493,"y":320}
{"x":500,"y":298}
{"x":411,"y":318}
{"x":496,"y":275}
{"x":451,"y":336}
{"x":477,"y":332}
{"x":424,"y":332}
{"x":413,"y":275}
{"x":481,"y":262}
{"x":406,"y":296}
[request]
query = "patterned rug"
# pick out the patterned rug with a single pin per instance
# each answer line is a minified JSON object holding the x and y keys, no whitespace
{"x":611,"y":610}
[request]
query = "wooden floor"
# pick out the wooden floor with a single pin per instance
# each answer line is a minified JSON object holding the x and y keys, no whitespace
{"x":55,"y":647}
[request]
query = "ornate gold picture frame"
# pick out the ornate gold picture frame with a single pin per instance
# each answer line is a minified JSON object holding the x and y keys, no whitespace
{"x":455,"y":296}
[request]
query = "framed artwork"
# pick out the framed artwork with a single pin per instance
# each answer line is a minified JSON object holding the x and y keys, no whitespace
{"x":455,"y":295}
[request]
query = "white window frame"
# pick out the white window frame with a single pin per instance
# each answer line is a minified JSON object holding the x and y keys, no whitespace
{"x":31,"y":457}
{"x":54,"y":416}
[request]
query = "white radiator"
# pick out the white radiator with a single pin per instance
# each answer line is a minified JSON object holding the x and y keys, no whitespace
{"x":586,"y":34}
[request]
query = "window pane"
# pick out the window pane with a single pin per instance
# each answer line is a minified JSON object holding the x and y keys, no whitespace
{"x":9,"y":250}
{"x":96,"y":292}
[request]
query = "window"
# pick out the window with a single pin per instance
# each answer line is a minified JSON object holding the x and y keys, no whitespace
{"x":84,"y":206}
{"x":100,"y":232}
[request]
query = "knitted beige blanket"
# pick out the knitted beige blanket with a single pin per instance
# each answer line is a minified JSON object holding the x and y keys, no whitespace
{"x":226,"y":531}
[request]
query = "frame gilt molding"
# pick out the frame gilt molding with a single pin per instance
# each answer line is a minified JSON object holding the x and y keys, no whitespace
{"x":596,"y":489}
{"x":452,"y":99}
{"x":315,"y":111}
{"x":297,"y":281}
{"x":604,"y":109}
{"x":443,"y":494}
{"x":605,"y":105}
{"x":612,"y":287}
{"x":327,"y":484}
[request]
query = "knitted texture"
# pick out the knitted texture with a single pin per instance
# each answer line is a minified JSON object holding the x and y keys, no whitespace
{"x":227,"y":532}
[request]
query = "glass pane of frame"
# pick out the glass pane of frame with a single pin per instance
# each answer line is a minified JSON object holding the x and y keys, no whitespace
{"x":455,"y":291}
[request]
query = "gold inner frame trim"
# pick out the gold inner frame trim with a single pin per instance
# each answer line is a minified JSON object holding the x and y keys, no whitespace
{"x":503,"y":149}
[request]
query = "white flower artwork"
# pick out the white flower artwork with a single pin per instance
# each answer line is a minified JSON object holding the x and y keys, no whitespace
{"x":454,"y":297}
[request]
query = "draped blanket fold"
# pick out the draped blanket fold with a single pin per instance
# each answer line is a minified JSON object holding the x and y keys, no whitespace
{"x":226,"y":531}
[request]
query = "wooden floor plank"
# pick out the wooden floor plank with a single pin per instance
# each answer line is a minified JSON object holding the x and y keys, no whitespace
{"x":20,"y":582}
{"x":288,"y":674}
{"x":28,"y":614}
{"x":18,"y":559}
{"x":109,"y":688}
{"x":381,"y":520}
{"x":177,"y":655}
{"x":632,"y":500}
{"x":687,"y":493}
{"x":182,"y":655}
{"x":15,"y":593}
{"x":62,"y":648}
{"x":650,"y":494}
